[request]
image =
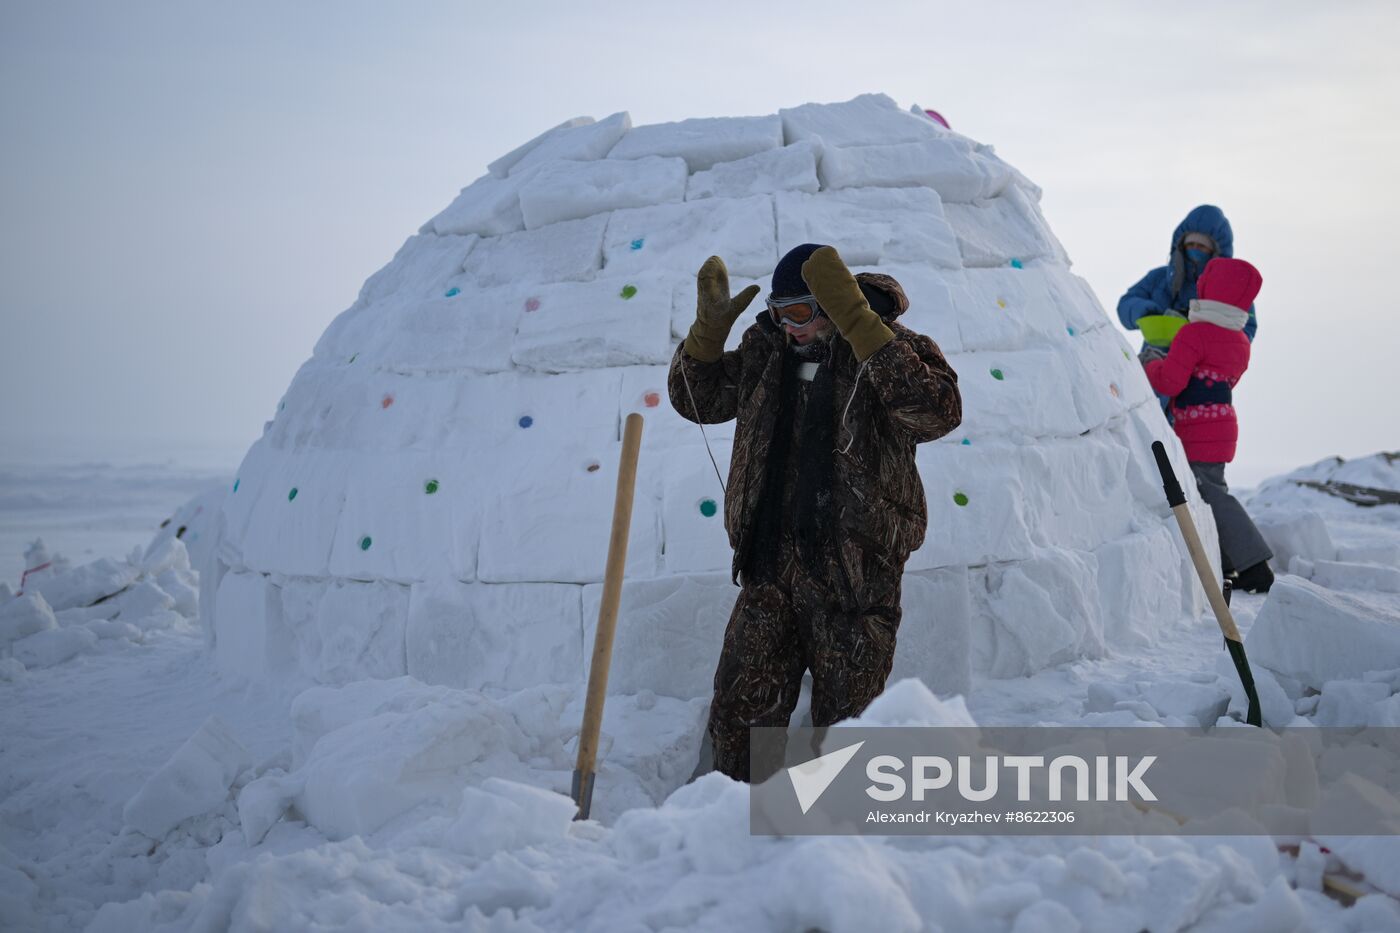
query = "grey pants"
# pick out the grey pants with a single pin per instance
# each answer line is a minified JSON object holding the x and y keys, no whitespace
{"x":1241,"y":544}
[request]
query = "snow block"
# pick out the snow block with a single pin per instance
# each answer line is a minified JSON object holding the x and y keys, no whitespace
{"x":949,"y":165}
{"x":611,"y":321}
{"x":508,"y":636}
{"x":362,"y":631}
{"x":579,"y":143}
{"x":1075,"y":298}
{"x":194,"y":781}
{"x":262,"y":802}
{"x":1349,"y":703}
{"x":570,"y":190}
{"x":340,"y":406}
{"x":702,"y":142}
{"x":1291,"y":534}
{"x":1076,"y":495}
{"x":508,"y":418}
{"x":692,"y":507}
{"x":83,"y":585}
{"x":669,"y":633}
{"x":249,"y":638}
{"x":1139,"y":585}
{"x":994,"y":231}
{"x":502,"y":166}
{"x":52,"y":646}
{"x":291,"y":528}
{"x":551,"y":520}
{"x":683,"y":302}
{"x":489,"y":206}
{"x":1043,"y":611}
{"x":392,"y":528}
{"x":570,"y":251}
{"x":500,"y":816}
{"x":870,"y":226}
{"x":910,"y":702}
{"x":471,"y":330}
{"x":1106,"y":378}
{"x":418,"y":270}
{"x":1316,"y":635}
{"x":1193,"y":703}
{"x":934,"y":642}
{"x":1343,"y":575}
{"x":860,"y":121}
{"x":791,"y":168}
{"x":993,"y":525}
{"x":1021,"y":393}
{"x":644,"y":391}
{"x":25,"y":616}
{"x":1007,"y":309}
{"x":680,"y":237}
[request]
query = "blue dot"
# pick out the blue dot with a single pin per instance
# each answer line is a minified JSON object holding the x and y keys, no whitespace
{"x":1016,"y":264}
{"x":966,"y":442}
{"x":453,"y":292}
{"x":526,"y":421}
{"x":639,"y":242}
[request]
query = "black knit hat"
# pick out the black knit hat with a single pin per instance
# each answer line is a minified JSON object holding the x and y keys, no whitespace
{"x":787,"y":277}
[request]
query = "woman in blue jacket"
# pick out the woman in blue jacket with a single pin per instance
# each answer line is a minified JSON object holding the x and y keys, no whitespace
{"x":1202,"y":236}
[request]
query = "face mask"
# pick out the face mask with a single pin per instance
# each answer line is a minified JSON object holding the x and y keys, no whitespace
{"x":1198,"y":256}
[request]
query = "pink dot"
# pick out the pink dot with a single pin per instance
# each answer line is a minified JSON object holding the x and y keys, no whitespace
{"x":532,"y":304}
{"x":386,"y":401}
{"x":651,"y":399}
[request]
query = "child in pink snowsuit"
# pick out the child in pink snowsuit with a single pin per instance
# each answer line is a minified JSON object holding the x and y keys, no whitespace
{"x":1206,"y":360}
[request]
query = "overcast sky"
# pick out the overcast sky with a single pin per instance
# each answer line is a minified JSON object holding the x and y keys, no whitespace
{"x":191,"y":192}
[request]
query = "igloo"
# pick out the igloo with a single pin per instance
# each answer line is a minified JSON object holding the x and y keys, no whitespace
{"x":433,"y":494}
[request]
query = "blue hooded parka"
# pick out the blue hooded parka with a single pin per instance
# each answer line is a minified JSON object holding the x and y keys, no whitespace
{"x":1171,"y":287}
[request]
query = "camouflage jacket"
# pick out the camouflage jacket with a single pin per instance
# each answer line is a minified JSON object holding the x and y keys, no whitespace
{"x":906,"y":394}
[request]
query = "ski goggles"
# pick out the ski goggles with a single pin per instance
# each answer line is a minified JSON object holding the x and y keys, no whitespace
{"x":799,"y":311}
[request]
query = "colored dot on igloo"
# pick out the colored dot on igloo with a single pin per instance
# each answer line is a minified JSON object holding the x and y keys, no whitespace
{"x":430,"y":487}
{"x":651,"y":399}
{"x":281,"y":406}
{"x":292,"y":495}
{"x":1071,"y":331}
{"x":1113,"y":387}
{"x":960,"y":498}
{"x":525,"y":421}
{"x":235,"y":485}
{"x":354,"y":357}
{"x":593,"y":466}
{"x":1127,"y":355}
{"x":1016,"y":264}
{"x":386,"y":401}
{"x":365,"y":543}
{"x":1001,"y":302}
{"x":708,"y":508}
{"x":628,"y":291}
{"x":639,"y":242}
{"x":998,"y":375}
{"x":532,"y":304}
{"x":452,"y":292}
{"x":966,"y":442}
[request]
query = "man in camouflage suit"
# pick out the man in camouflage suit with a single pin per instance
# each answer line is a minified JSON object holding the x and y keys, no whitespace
{"x":824,"y":503}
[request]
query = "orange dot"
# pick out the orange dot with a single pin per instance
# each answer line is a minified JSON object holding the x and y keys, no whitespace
{"x":386,"y":401}
{"x":651,"y":399}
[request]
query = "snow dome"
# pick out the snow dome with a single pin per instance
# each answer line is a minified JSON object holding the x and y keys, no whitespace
{"x":433,"y":495}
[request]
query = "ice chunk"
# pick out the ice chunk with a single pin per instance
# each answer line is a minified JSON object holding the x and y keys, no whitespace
{"x":860,"y":121}
{"x":83,"y":585}
{"x":870,"y":226}
{"x":911,"y":703}
{"x":1201,"y":704}
{"x":1316,"y":635}
{"x":195,"y":780}
{"x":584,"y":142}
{"x":679,"y":237}
{"x":611,"y":321}
{"x":503,"y":815}
{"x":1348,"y":703}
{"x":141,"y":599}
{"x":489,"y":206}
{"x":1291,"y":534}
{"x":563,"y":252}
{"x":501,"y":167}
{"x":511,"y":636}
{"x":1042,"y":612}
{"x":693,"y":505}
{"x":24,"y":616}
{"x":262,"y":802}
{"x":570,"y":190}
{"x":1344,"y":575}
{"x":934,"y":642}
{"x":950,"y":165}
{"x":791,"y":168}
{"x":52,"y":646}
{"x":994,"y":231}
{"x":668,"y":635}
{"x":702,"y":142}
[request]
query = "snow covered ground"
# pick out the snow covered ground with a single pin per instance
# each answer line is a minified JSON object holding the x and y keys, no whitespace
{"x":140,"y":789}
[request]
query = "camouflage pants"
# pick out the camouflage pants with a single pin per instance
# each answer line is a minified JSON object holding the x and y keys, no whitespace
{"x":780,"y":628}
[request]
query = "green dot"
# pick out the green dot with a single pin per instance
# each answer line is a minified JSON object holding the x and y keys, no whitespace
{"x":292,"y":495}
{"x":708,"y":508}
{"x":1127,"y":355}
{"x":365,"y":542}
{"x":628,"y":291}
{"x":960,"y":498}
{"x":355,"y":357}
{"x":430,"y":487}
{"x":998,"y":375}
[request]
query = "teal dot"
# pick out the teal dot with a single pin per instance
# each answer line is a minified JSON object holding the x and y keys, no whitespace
{"x":235,"y":485}
{"x":708,"y":508}
{"x":1071,"y":331}
{"x":355,"y":357}
{"x":628,"y":291}
{"x":525,"y":421}
{"x":453,"y":292}
{"x":639,"y":242}
{"x":430,"y":487}
{"x":998,"y":375}
{"x":292,"y":495}
{"x":960,"y":498}
{"x":1016,"y":264}
{"x":365,"y":542}
{"x":281,"y":406}
{"x":966,"y":442}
